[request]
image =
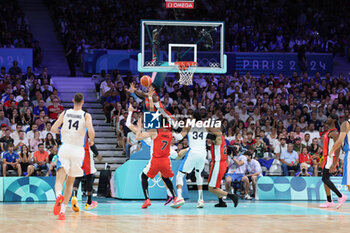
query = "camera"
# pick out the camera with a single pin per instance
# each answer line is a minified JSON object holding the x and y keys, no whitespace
{"x":303,"y":170}
{"x":234,"y":150}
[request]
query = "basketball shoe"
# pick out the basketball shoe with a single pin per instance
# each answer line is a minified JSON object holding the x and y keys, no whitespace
{"x":146,"y":204}
{"x":93,"y":205}
{"x":75,"y":206}
{"x":57,"y":206}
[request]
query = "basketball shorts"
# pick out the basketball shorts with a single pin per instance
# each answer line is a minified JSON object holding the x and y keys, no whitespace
{"x":156,"y":165}
{"x":71,"y":158}
{"x":194,"y":159}
{"x":217,"y":172}
{"x":89,"y":163}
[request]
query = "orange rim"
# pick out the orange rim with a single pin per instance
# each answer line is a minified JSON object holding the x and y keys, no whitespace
{"x":183,"y":65}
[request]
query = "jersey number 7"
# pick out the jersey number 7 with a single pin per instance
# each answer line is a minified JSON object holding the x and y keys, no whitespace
{"x":165,"y":144}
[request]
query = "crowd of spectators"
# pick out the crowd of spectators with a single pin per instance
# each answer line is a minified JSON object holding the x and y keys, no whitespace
{"x":29,"y":104}
{"x":279,"y":119}
{"x":15,"y":32}
{"x":254,"y":25}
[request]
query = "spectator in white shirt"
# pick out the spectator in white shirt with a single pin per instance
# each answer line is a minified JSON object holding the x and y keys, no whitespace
{"x":131,"y":144}
{"x":30,"y":134}
{"x":15,"y":134}
{"x":20,"y":141}
{"x":211,"y":93}
{"x":280,"y":147}
{"x":254,"y":170}
{"x":230,"y":115}
{"x":313,"y":133}
{"x":169,"y":86}
{"x":244,"y":115}
{"x":47,"y":130}
{"x":307,"y":141}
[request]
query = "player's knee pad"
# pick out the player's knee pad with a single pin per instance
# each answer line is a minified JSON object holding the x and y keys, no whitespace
{"x":199,"y":178}
{"x":180,"y":178}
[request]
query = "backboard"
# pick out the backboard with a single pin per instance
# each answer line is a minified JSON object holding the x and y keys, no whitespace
{"x":165,"y":42}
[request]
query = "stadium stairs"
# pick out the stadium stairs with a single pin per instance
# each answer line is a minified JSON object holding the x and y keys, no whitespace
{"x":43,"y":30}
{"x":105,"y":136}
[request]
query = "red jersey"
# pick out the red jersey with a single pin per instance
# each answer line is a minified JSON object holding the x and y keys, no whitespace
{"x":161,"y":144}
{"x":327,"y":146}
{"x":88,"y":164}
{"x":219,"y":152}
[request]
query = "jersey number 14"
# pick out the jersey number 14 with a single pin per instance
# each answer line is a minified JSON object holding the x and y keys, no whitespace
{"x":75,"y":124}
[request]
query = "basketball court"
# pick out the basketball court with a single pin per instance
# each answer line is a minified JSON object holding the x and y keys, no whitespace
{"x":127,"y":216}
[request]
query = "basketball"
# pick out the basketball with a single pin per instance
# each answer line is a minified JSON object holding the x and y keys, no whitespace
{"x":146,"y":81}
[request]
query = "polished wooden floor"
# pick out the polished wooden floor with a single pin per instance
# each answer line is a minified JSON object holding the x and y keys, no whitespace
{"x":248,"y":217}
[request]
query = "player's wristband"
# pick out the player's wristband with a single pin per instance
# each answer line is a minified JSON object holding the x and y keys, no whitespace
{"x":94,"y":150}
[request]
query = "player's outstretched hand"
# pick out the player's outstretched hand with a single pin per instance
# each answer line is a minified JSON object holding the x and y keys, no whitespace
{"x":130,"y":109}
{"x":132,"y":88}
{"x":150,"y":92}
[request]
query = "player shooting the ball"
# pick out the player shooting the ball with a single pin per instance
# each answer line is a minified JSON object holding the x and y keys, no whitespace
{"x":155,"y":98}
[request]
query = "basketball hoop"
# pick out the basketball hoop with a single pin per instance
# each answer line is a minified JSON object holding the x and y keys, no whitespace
{"x":186,"y":71}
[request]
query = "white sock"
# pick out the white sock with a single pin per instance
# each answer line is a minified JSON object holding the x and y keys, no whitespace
{"x":200,"y":194}
{"x":58,"y":193}
{"x":169,"y":193}
{"x":179,"y":193}
{"x":63,"y":208}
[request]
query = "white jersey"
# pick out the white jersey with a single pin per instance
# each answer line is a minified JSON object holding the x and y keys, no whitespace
{"x":74,"y":129}
{"x":197,"y":138}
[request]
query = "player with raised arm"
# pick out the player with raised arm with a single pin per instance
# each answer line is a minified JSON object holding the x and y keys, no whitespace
{"x":147,"y":142}
{"x":147,"y":96}
{"x":329,"y":162}
{"x":74,"y":123}
{"x":219,"y":166}
{"x":159,"y":162}
{"x":194,"y":159}
{"x":343,"y":138}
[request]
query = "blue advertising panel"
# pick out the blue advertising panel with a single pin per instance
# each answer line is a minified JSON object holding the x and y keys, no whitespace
{"x":296,"y":188}
{"x":24,"y":57}
{"x":126,"y":181}
{"x":285,"y":63}
{"x":256,"y":63}
{"x":29,"y":189}
{"x":96,"y":60}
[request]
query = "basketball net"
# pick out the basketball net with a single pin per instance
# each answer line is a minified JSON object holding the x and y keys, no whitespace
{"x":186,"y":71}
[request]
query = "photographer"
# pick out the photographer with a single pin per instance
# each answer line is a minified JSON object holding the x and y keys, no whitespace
{"x":303,"y":170}
{"x":237,"y":166}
